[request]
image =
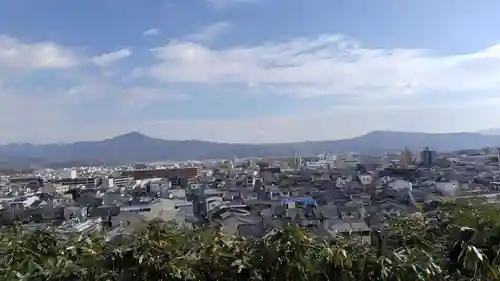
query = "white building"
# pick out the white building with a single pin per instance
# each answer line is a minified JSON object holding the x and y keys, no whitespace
{"x":155,"y":184}
{"x":448,"y":188}
{"x":213,"y":202}
{"x":61,"y":189}
{"x":69,"y":174}
{"x":340,"y":182}
{"x":365,"y":179}
{"x":48,"y":187}
{"x":321,"y":161}
{"x":77,"y":225}
{"x":400,"y":184}
{"x":120,"y":182}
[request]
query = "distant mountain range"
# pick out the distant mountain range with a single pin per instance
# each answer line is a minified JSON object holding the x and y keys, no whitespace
{"x":137,"y":148}
{"x":490,"y":132}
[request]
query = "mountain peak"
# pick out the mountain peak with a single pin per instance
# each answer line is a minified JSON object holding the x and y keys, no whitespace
{"x":495,"y":132}
{"x":136,"y":147}
{"x":134,"y":135}
{"x":381,"y":132}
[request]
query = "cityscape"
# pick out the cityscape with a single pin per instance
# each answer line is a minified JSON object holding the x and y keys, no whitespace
{"x":326,"y":194}
{"x":249,"y":140}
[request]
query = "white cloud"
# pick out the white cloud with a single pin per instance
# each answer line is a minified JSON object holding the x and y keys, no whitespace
{"x":18,"y":55}
{"x":210,"y":32}
{"x":151,"y":32}
{"x":223,"y":4}
{"x":328,"y":64}
{"x":106,"y":60}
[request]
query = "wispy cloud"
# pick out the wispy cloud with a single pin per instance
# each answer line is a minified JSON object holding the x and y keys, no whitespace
{"x":106,"y":60}
{"x":209,"y":32}
{"x":223,"y":4}
{"x":329,"y":65}
{"x":151,"y":32}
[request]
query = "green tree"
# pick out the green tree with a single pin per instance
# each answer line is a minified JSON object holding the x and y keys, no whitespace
{"x":457,"y":241}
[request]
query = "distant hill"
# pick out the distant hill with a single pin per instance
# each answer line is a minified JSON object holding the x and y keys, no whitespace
{"x":490,"y":132}
{"x":135,"y":147}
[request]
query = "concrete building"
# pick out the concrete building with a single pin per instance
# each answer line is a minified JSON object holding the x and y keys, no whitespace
{"x":188,"y":173}
{"x":365,"y":179}
{"x":447,"y":188}
{"x":120,"y":182}
{"x":69,"y":174}
{"x":428,"y":157}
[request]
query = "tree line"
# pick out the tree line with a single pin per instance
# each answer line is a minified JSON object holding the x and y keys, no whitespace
{"x":456,"y":241}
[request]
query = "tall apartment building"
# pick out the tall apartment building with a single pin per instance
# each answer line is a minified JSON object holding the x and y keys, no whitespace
{"x":428,"y":157}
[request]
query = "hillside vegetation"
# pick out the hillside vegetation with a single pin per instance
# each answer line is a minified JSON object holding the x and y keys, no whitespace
{"x":456,"y":242}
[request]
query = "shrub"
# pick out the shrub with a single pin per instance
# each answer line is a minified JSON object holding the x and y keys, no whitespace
{"x":458,"y":242}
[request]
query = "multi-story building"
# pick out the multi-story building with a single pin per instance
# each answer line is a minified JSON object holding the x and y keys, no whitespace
{"x":188,"y":173}
{"x":322,"y":161}
{"x":428,"y":157}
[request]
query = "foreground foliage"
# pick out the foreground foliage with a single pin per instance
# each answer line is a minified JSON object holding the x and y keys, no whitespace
{"x":456,"y":242}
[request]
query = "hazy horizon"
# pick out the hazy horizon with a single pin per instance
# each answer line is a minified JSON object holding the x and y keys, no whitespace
{"x":484,"y":132}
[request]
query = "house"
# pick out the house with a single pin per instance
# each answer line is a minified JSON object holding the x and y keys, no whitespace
{"x":391,"y":208}
{"x":420,"y":196}
{"x":298,"y":202}
{"x":327,"y":212}
{"x":336,"y":196}
{"x":118,"y":235}
{"x":365,"y":179}
{"x":304,"y":218}
{"x":355,"y":229}
{"x":230,"y":195}
{"x":251,"y":230}
{"x":352,"y":212}
{"x":44,"y":213}
{"x":303,"y":190}
{"x":212,"y":202}
{"x":276,"y":193}
{"x":249,"y":196}
{"x":341,"y":181}
{"x":398,"y":184}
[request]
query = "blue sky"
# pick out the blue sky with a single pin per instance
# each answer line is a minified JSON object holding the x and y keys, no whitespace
{"x":246,"y":70}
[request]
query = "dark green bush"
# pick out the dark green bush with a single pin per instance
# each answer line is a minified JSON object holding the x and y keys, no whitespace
{"x":458,"y":242}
